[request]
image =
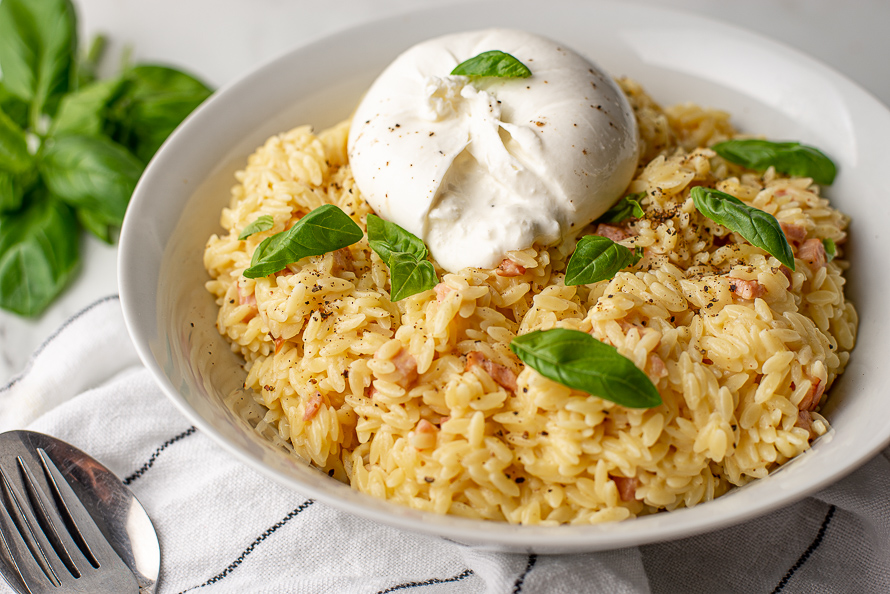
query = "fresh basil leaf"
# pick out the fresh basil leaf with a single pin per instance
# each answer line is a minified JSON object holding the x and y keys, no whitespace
{"x":579,"y":361}
{"x":15,"y":108}
{"x":155,"y":101}
{"x":262,"y":223}
{"x":325,"y":229}
{"x":387,"y":238}
{"x":792,"y":158}
{"x":11,"y":194}
{"x":93,"y":173}
{"x":410,"y":275}
{"x":38,"y":39}
{"x":493,"y":63}
{"x":830,"y":249}
{"x":38,"y":254}
{"x":84,"y":111}
{"x":14,"y":155}
{"x":626,"y":208}
{"x":761,"y":229}
{"x":598,"y":258}
{"x":405,"y":255}
{"x":97,"y":223}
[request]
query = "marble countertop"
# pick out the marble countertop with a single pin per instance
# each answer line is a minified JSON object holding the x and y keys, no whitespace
{"x":221,"y":40}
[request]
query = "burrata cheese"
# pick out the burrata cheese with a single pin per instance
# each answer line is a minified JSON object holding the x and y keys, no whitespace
{"x":478,"y":166}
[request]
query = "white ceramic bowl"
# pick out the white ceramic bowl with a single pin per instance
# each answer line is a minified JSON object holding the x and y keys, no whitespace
{"x":768,"y":88}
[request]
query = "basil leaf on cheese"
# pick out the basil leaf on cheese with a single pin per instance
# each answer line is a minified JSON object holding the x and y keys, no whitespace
{"x":325,"y":229}
{"x":579,"y":361}
{"x":759,"y":228}
{"x":493,"y":63}
{"x":792,"y":158}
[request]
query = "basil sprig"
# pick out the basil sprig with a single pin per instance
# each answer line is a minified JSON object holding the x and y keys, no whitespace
{"x":830,"y":249}
{"x":325,"y":229}
{"x":262,"y":223}
{"x":578,"y":360}
{"x":792,"y":158}
{"x":627,"y":208}
{"x":405,"y":255}
{"x":71,"y":147}
{"x":493,"y":63}
{"x":598,"y":258}
{"x":761,"y":229}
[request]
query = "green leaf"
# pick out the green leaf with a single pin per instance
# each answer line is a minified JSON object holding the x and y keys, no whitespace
{"x":792,"y":158}
{"x":493,"y":63}
{"x":11,"y":193}
{"x":579,"y":361}
{"x":761,"y":229}
{"x":97,"y":223}
{"x":14,"y":155}
{"x":830,"y":249}
{"x":38,"y":255}
{"x":38,"y":40}
{"x":262,"y":223}
{"x":15,"y":108}
{"x":598,"y":258}
{"x":410,"y":275}
{"x":84,"y":111}
{"x":155,"y":101}
{"x":388,"y":238}
{"x":325,"y":229}
{"x":91,"y":173}
{"x":405,"y":255}
{"x":626,"y":208}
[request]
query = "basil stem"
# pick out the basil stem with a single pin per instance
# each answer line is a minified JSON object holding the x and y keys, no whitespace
{"x":792,"y":158}
{"x":598,"y":258}
{"x":626,"y":208}
{"x":405,"y":256}
{"x":325,"y":229}
{"x":493,"y":63}
{"x":759,"y":228}
{"x":262,"y":223}
{"x":579,"y":361}
{"x":830,"y":249}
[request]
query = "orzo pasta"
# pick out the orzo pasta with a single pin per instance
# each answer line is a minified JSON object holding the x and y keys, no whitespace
{"x":422,"y":402}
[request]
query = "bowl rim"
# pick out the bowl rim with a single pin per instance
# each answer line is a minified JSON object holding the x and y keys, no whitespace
{"x":645,"y":529}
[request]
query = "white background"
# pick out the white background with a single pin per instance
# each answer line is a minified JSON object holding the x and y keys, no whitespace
{"x":221,"y":40}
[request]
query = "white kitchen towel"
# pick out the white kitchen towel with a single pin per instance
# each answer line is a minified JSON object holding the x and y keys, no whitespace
{"x":225,"y":528}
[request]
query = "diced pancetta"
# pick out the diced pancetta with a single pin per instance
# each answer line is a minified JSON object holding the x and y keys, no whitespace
{"x":442,"y":291}
{"x":812,"y":251}
{"x":406,"y":368}
{"x":508,"y":268}
{"x":627,"y":487}
{"x":793,"y":233}
{"x":313,"y":406}
{"x":613,"y":232}
{"x":502,"y":375}
{"x":746,"y":289}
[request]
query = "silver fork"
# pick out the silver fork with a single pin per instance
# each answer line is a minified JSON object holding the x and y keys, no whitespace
{"x":49,"y":540}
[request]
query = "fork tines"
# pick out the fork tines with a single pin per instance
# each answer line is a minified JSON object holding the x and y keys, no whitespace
{"x":41,"y":535}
